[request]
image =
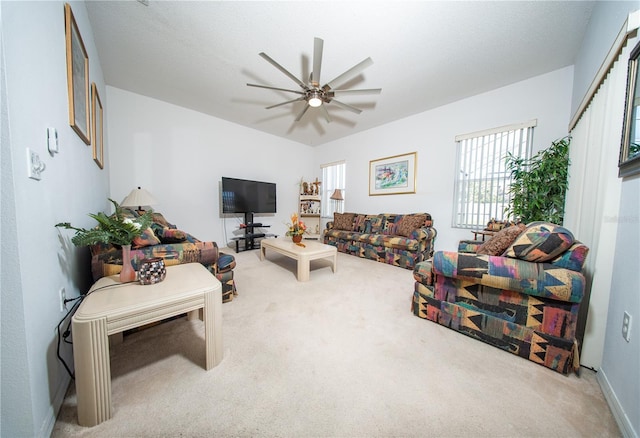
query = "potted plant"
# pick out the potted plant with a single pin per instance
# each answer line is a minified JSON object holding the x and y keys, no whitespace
{"x":296,"y":228}
{"x":115,"y":229}
{"x":539,"y":184}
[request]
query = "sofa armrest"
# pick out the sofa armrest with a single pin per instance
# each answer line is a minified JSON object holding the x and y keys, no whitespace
{"x":537,"y":279}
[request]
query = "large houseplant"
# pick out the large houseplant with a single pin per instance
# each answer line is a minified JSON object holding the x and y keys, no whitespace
{"x":539,"y":184}
{"x":117,"y":229}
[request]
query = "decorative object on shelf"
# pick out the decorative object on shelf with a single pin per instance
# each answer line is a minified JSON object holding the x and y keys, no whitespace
{"x":629,"y":161}
{"x":97,"y":138}
{"x":337,"y":199}
{"x":77,"y":77}
{"x":393,"y":175}
{"x":116,"y":230}
{"x":296,"y":228}
{"x":139,"y":198}
{"x":152,"y":271}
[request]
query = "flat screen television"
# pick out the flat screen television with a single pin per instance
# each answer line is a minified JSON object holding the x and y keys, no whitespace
{"x":246,"y":196}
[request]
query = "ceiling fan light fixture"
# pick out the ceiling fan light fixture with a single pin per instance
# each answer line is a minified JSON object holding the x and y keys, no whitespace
{"x":314,"y":100}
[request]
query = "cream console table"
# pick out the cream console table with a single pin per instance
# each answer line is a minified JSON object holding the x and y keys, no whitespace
{"x":112,"y":307}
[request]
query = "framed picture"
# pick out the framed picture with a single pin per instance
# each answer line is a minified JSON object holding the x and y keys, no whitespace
{"x":629,"y":162}
{"x":97,"y":137}
{"x":77,"y":77}
{"x":393,"y":175}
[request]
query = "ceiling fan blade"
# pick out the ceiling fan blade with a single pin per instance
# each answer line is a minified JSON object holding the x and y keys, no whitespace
{"x":326,"y":113}
{"x":317,"y":61}
{"x":353,"y":109}
{"x":363,"y":91}
{"x":284,"y":103}
{"x":283,"y":70}
{"x":275,"y":88}
{"x":349,"y":73}
{"x":304,"y":110}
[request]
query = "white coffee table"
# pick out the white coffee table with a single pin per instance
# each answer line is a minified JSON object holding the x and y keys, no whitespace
{"x":311,"y":251}
{"x":112,"y":307}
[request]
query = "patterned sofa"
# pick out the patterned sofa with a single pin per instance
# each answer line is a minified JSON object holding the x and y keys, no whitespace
{"x":165,"y":240}
{"x":524,"y":299}
{"x":397,"y":239}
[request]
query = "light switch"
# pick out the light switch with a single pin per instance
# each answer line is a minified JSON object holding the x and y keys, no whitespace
{"x":52,"y":140}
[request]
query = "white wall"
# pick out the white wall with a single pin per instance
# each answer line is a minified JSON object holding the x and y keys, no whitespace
{"x":432,"y":134}
{"x":37,"y":260}
{"x":181,"y":155}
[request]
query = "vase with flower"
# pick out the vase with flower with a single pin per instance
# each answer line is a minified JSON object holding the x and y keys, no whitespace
{"x":117,"y":230}
{"x":296,"y":228}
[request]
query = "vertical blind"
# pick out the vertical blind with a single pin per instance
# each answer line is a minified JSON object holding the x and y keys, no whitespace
{"x":482,"y":179}
{"x":333,"y":177}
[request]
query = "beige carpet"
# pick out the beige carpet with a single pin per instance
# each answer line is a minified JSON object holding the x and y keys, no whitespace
{"x":339,"y":356}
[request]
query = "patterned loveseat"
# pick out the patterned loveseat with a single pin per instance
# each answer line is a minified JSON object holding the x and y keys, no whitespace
{"x":524,"y":300}
{"x":397,"y":239}
{"x":165,"y":240}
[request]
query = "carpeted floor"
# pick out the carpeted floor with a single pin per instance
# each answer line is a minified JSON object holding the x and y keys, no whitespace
{"x":339,"y":356}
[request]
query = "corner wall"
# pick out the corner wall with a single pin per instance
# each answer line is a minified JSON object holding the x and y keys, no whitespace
{"x":432,"y":134}
{"x":40,"y":258}
{"x":180,"y":156}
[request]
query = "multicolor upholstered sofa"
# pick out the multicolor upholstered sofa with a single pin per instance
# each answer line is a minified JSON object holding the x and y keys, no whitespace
{"x":523,"y":299}
{"x":397,"y":239}
{"x":165,"y":240}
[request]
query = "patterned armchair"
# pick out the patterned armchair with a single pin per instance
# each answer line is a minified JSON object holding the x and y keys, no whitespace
{"x":524,"y":299}
{"x":165,"y":240}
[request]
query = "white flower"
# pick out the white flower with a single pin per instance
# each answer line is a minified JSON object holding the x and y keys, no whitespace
{"x":127,"y":220}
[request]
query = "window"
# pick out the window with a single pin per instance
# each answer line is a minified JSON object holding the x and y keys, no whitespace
{"x":333,"y":177}
{"x":482,"y":180}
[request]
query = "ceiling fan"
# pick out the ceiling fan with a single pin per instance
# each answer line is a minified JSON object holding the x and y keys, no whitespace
{"x":312,"y":93}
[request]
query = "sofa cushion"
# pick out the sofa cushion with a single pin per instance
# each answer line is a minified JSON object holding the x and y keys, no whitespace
{"x":540,"y":242}
{"x":343,"y":221}
{"x":410,"y":222}
{"x":158,"y":218}
{"x":499,"y":243}
{"x":171,"y":235}
{"x":377,"y":224}
{"x":147,"y":238}
{"x":359,"y":223}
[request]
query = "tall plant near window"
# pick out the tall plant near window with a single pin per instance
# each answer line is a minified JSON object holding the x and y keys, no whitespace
{"x":539,"y":184}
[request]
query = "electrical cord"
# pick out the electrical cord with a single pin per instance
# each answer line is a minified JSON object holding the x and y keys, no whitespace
{"x":67,"y":331}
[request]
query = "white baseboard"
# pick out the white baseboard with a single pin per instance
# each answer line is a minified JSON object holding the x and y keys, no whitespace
{"x":50,"y":421}
{"x":618,"y":412}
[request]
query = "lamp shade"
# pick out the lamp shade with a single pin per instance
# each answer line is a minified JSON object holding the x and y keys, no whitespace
{"x":138,"y":197}
{"x":337,"y":195}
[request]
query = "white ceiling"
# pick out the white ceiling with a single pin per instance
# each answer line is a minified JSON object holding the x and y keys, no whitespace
{"x":201,"y":54}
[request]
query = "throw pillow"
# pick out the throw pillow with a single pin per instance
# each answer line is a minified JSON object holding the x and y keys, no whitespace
{"x":358,"y":223}
{"x":377,"y":224}
{"x":409,"y":223}
{"x":500,"y":241}
{"x":158,"y":218}
{"x":171,"y":235}
{"x":540,"y":242}
{"x":343,"y":221}
{"x":147,"y":238}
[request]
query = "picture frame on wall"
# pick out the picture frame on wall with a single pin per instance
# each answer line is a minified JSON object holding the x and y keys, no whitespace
{"x":393,"y":175}
{"x":629,"y":160}
{"x":77,"y":77}
{"x":97,"y":131}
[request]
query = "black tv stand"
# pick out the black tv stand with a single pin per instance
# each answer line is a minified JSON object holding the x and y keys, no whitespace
{"x":250,"y":237}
